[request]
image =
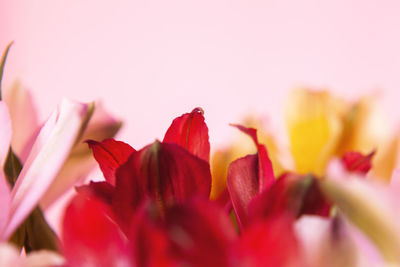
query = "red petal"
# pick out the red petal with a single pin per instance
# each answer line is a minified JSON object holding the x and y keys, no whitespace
{"x":357,"y":162}
{"x":191,"y":132}
{"x":110,"y":154}
{"x":291,"y":195}
{"x":201,"y":233}
{"x":268,"y":243}
{"x":265,"y":172}
{"x":243,"y":185}
{"x":101,"y":190}
{"x":90,"y":237}
{"x":164,"y":172}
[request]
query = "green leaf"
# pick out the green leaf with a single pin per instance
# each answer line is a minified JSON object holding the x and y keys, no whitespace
{"x":3,"y":62}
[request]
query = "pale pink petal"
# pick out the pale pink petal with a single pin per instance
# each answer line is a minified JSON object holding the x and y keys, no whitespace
{"x":80,"y":162}
{"x":9,"y":256}
{"x":44,"y":258}
{"x":5,"y":137}
{"x":5,"y":132}
{"x":23,"y":115}
{"x":47,"y":156}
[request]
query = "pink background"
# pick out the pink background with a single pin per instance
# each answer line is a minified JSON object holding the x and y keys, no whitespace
{"x":153,"y":60}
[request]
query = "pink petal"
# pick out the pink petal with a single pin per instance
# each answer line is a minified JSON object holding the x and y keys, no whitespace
{"x":47,"y":156}
{"x":191,"y":132}
{"x":24,"y":119}
{"x":5,"y":138}
{"x":80,"y":161}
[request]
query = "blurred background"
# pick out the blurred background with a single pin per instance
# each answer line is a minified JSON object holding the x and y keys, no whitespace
{"x":152,"y":60}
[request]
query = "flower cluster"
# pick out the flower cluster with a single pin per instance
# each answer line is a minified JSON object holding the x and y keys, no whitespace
{"x":332,"y":201}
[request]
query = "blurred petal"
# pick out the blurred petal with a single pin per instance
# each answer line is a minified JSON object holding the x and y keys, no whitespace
{"x":201,"y":233}
{"x":110,"y":155}
{"x":9,"y":256}
{"x":80,"y":161}
{"x":48,"y":154}
{"x":23,"y":118}
{"x":90,"y":237}
{"x":268,"y":243}
{"x":44,"y":258}
{"x":366,"y":205}
{"x":191,"y":132}
{"x":5,"y":138}
{"x":357,"y":162}
{"x":314,"y":124}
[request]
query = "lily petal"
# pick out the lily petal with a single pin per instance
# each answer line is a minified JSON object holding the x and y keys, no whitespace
{"x":24,"y":119}
{"x":80,"y":161}
{"x":5,"y":138}
{"x":191,"y":132}
{"x":47,"y":156}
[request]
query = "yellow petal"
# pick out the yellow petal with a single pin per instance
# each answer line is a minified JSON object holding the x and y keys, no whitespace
{"x":314,"y":122}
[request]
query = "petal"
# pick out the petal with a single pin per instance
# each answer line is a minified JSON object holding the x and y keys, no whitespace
{"x":90,"y":237}
{"x":243,"y":185}
{"x":110,"y":155}
{"x":314,"y":125}
{"x":103,"y":191}
{"x":357,"y":162}
{"x":10,"y":256}
{"x":23,"y":118}
{"x":268,"y":243}
{"x":366,"y":205}
{"x":163,"y":171}
{"x":5,"y":133}
{"x":80,"y":161}
{"x":201,"y":233}
{"x":191,"y":132}
{"x":265,"y":172}
{"x":48,"y":154}
{"x":5,"y":138}
{"x":291,"y":195}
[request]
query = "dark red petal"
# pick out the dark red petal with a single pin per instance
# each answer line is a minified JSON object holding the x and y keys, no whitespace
{"x":164,"y":172}
{"x":191,"y":132}
{"x":101,"y":190}
{"x":265,"y":172}
{"x":90,"y":237}
{"x":291,"y":195}
{"x":110,"y":154}
{"x":200,"y":232}
{"x":268,"y":243}
{"x":357,"y":162}
{"x":243,"y":185}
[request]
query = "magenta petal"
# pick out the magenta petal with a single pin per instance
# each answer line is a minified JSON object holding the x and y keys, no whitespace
{"x":191,"y":132}
{"x":243,"y":185}
{"x":110,"y":154}
{"x":357,"y":162}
